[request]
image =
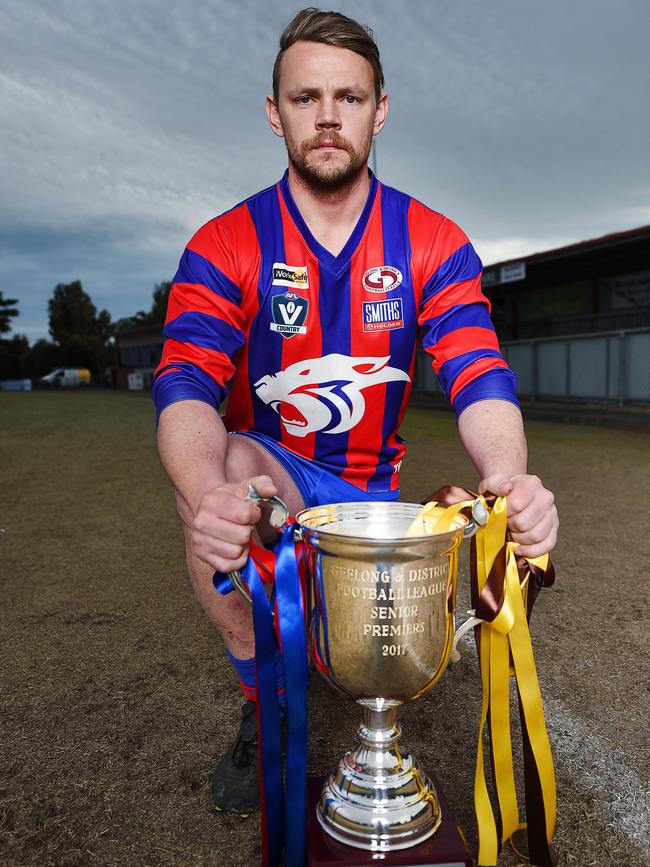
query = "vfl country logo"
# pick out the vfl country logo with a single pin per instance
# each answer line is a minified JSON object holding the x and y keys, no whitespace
{"x":289,"y":314}
{"x":325,"y":394}
{"x":383,"y":315}
{"x":385,"y":278}
{"x":291,"y":276}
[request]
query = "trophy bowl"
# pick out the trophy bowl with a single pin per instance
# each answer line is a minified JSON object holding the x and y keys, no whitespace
{"x":381,"y":632}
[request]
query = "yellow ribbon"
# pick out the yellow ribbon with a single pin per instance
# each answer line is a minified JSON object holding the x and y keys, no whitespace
{"x":506,"y":637}
{"x":434,"y":518}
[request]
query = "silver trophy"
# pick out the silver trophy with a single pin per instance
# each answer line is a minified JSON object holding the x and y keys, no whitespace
{"x":381,"y":632}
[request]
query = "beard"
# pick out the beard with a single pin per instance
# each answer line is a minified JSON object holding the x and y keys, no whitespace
{"x":329,"y":175}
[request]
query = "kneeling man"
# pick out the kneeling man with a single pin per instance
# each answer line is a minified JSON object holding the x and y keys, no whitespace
{"x":303,"y":304}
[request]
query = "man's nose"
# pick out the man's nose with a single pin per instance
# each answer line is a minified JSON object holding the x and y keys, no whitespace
{"x":328,"y":115}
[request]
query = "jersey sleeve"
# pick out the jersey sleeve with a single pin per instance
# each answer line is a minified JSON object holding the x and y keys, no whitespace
{"x":455,"y":316}
{"x":205,"y":323}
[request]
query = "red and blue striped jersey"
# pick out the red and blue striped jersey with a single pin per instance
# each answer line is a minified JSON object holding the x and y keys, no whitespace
{"x":318,"y":351}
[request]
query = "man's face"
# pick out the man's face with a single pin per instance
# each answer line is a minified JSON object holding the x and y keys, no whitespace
{"x":326,"y":112}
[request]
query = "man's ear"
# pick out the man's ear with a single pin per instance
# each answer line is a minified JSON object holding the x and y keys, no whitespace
{"x":273,"y":115}
{"x":381,"y":113}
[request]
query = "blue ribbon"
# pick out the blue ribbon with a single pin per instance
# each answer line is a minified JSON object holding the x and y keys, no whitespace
{"x":284,"y":817}
{"x":294,"y":660}
{"x":222,"y":583}
{"x":320,"y":618}
{"x":268,"y":718}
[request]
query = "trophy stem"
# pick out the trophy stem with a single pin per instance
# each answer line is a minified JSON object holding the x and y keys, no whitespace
{"x":378,"y":736}
{"x":379,"y":799}
{"x":379,"y":722}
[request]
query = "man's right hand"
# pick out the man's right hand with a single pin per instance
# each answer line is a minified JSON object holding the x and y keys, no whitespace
{"x":224,"y":522}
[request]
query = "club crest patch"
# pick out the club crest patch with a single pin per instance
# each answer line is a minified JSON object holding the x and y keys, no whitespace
{"x":291,"y":276}
{"x":384,"y":278}
{"x":383,"y":315}
{"x":289,"y":314}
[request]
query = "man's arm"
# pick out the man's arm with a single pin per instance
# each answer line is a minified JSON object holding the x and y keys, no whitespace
{"x":492,"y":433}
{"x":474,"y":375}
{"x":193,"y":443}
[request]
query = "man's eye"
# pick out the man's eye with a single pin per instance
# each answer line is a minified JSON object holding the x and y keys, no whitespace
{"x":304,"y":100}
{"x":351,"y":99}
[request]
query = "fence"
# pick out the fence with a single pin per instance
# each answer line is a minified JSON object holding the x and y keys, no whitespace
{"x":612,"y":366}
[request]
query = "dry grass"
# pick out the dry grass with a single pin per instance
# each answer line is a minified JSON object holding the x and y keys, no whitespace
{"x":116,"y":696}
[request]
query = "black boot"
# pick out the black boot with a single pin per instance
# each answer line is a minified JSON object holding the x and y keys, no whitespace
{"x":235,"y":780}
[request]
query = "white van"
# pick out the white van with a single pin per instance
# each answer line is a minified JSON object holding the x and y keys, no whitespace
{"x":66,"y":377}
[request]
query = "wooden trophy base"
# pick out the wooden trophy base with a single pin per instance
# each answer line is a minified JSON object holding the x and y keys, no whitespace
{"x":444,"y":849}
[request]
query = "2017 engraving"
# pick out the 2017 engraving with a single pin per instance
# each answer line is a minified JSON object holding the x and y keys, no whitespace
{"x":394,"y":650}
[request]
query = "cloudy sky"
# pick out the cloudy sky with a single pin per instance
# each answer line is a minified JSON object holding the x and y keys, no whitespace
{"x":126,"y":124}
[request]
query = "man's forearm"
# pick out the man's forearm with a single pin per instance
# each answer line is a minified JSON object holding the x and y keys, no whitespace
{"x":192,"y":442}
{"x":492,"y":433}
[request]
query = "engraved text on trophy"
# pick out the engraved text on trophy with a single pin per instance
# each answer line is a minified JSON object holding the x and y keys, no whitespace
{"x":380,"y":614}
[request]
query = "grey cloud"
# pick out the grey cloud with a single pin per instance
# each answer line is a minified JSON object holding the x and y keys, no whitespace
{"x":125,"y":126}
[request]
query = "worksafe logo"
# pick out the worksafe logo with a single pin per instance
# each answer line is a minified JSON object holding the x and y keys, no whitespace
{"x":384,"y":278}
{"x":289,"y":314}
{"x":291,"y":276}
{"x":383,"y":315}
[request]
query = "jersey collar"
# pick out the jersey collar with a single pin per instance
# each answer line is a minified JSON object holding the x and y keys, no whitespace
{"x":323,"y":255}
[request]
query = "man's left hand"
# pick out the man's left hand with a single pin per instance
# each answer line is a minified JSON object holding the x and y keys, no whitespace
{"x":532,"y":517}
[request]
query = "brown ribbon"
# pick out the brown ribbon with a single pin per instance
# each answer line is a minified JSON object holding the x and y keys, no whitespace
{"x":487,"y":605}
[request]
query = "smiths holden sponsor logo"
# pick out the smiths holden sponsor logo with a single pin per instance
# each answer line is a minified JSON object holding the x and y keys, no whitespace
{"x":385,"y":278}
{"x":383,"y":315}
{"x":292,"y":276}
{"x":289,"y":314}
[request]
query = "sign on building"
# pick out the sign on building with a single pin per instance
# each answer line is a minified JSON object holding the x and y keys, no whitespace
{"x":136,"y":382}
{"x":511,"y":273}
{"x":629,"y":290}
{"x":505,"y":274}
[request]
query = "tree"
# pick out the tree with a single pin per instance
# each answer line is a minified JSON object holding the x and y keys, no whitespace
{"x":77,"y":328}
{"x":160,"y":300}
{"x":14,"y":354}
{"x":7,"y":311}
{"x":73,"y":312}
{"x":156,"y":315}
{"x":43,"y":357}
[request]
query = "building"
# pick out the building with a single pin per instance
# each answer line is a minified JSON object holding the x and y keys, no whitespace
{"x":574,"y":322}
{"x":594,"y":286}
{"x":137,"y":352}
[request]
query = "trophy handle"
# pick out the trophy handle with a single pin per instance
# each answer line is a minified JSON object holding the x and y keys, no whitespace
{"x":278,"y":517}
{"x":464,"y":627}
{"x":477,"y":519}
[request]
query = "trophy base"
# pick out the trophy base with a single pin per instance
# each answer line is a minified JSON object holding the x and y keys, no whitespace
{"x":444,"y":849}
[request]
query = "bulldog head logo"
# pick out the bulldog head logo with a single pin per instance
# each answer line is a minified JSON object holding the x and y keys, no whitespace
{"x":324,"y":394}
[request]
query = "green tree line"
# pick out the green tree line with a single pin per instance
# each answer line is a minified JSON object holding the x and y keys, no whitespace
{"x":79,"y":333}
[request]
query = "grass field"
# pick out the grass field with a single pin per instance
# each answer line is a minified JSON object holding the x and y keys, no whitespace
{"x":116,"y":695}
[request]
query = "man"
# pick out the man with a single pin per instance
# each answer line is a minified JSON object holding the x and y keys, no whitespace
{"x":308,"y":296}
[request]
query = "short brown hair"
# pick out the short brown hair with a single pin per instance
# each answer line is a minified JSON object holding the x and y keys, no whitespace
{"x":330,"y":28}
